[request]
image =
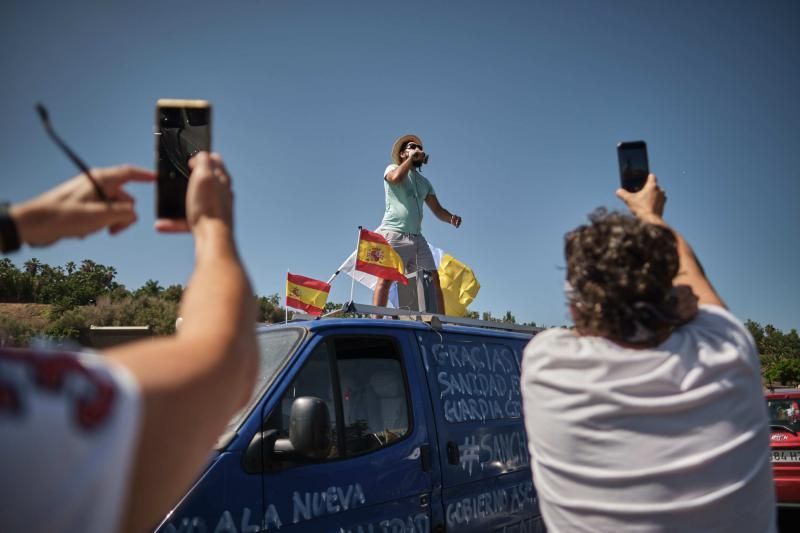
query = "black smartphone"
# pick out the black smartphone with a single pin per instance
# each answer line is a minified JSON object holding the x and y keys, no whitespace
{"x":183,"y":128}
{"x":633,"y":165}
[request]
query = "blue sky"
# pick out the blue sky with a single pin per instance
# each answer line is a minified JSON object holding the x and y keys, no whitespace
{"x":520,"y":105}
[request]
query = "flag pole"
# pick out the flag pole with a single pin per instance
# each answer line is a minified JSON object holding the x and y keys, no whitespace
{"x":286,"y":299}
{"x":334,"y":275}
{"x":355,"y":261}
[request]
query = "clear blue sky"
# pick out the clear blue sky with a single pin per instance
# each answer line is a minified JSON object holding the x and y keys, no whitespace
{"x":520,"y":105}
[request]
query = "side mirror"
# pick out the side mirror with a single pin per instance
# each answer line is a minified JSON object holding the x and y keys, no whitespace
{"x":309,"y":430}
{"x":309,"y":437}
{"x":256,"y":458}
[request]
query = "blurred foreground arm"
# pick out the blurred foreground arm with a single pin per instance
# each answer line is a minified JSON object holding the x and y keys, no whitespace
{"x":193,"y":382}
{"x":73,"y":209}
{"x":648,"y":205}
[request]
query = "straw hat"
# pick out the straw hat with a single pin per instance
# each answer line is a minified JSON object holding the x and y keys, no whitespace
{"x":398,"y":144}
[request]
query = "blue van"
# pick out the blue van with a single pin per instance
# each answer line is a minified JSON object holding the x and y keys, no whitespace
{"x":367,"y":426}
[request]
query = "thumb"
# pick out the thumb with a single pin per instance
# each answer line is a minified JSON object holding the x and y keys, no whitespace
{"x":623,"y":195}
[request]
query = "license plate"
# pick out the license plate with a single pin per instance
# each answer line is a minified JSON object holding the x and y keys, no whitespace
{"x":784,"y":456}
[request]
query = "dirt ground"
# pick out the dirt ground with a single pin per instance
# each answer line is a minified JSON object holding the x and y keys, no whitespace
{"x":33,"y":314}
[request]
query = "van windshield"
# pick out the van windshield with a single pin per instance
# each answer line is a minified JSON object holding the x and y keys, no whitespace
{"x":275,"y":347}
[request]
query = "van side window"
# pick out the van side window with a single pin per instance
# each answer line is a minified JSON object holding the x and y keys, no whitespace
{"x":374,"y":402}
{"x":314,"y":379}
{"x":372,"y":395}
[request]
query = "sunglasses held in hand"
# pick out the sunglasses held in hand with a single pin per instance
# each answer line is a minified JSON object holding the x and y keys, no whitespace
{"x":45,"y":116}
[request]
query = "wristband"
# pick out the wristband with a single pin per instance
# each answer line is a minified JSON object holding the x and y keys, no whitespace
{"x":9,"y":236}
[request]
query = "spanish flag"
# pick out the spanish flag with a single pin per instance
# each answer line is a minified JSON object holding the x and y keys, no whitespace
{"x":307,"y":294}
{"x":377,"y":257}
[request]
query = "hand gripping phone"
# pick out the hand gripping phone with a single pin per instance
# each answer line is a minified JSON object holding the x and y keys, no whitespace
{"x":182,"y":129}
{"x":633,"y":165}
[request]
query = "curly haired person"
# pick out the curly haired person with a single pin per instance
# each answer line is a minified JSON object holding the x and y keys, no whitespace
{"x":649,"y":415}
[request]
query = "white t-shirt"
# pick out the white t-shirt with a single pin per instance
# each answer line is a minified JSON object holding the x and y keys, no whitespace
{"x":669,"y":439}
{"x":68,"y":430}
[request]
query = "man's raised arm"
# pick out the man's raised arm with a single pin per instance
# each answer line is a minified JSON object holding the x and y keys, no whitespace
{"x":400,"y":172}
{"x":193,"y":382}
{"x":648,"y":205}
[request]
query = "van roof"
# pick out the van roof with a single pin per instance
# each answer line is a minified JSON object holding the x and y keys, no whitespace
{"x":321,"y":324}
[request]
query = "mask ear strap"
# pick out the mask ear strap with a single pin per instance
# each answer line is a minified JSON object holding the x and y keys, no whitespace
{"x":570,"y":292}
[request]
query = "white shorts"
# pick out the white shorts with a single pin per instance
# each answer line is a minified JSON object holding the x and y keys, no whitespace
{"x":412,"y":249}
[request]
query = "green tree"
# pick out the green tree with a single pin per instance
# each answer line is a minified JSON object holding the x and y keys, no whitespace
{"x":269,"y":309}
{"x":779,"y":353}
{"x":330,"y":307}
{"x":150,"y":288}
{"x":32,"y":266}
{"x":15,"y":285}
{"x":88,"y":282}
{"x":67,"y":326}
{"x":158,"y":313}
{"x":173,"y":293}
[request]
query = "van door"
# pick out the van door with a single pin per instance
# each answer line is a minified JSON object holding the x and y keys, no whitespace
{"x":377,"y":474}
{"x":474,"y":387}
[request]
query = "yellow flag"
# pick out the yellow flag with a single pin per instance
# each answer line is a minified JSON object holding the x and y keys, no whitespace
{"x":459,"y":285}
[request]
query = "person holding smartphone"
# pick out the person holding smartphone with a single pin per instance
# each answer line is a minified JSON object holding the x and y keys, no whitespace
{"x":100,"y":444}
{"x":406,"y":189}
{"x":648,"y":416}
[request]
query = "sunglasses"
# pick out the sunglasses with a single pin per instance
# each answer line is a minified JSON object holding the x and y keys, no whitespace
{"x":45,"y":117}
{"x":412,"y":146}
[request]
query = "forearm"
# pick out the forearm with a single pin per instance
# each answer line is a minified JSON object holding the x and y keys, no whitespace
{"x":194,"y":382}
{"x":218,"y":302}
{"x":443,"y":214}
{"x":690,"y":271}
{"x":218,"y":308}
{"x":397,"y":175}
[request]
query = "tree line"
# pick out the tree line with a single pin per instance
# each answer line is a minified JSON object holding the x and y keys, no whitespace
{"x":74,"y":296}
{"x":79,"y":295}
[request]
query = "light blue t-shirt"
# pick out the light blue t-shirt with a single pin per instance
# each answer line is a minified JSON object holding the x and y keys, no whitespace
{"x":404,"y":202}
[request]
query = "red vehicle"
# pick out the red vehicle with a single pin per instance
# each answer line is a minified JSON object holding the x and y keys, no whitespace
{"x":784,"y":412}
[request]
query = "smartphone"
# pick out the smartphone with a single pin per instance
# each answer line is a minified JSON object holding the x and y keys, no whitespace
{"x":182,"y":129}
{"x":633,"y":165}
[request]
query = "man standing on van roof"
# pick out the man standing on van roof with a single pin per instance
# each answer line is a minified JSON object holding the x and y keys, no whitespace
{"x":406,"y":189}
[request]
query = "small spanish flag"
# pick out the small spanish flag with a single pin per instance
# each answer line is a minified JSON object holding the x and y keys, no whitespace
{"x":307,"y":294}
{"x":377,"y":257}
